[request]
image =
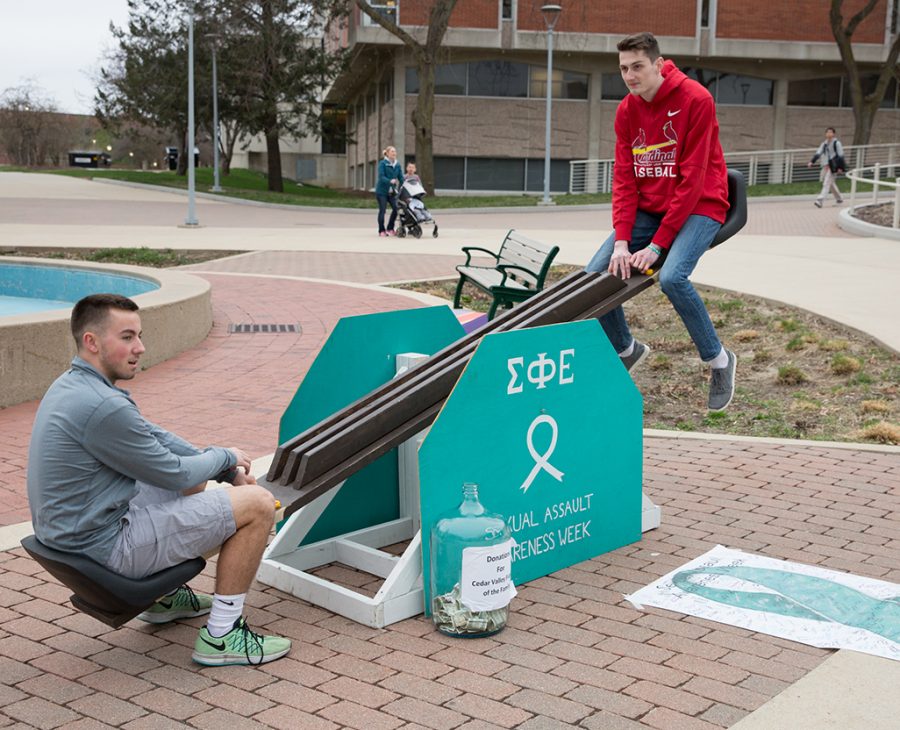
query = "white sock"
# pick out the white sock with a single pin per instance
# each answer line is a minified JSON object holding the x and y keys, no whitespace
{"x":224,"y":612}
{"x":627,"y":351}
{"x":720,"y":360}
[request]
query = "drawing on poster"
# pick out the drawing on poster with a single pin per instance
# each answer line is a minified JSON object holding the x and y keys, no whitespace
{"x":811,"y":605}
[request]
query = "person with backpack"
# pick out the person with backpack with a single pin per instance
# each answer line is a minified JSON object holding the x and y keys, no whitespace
{"x":832,"y":153}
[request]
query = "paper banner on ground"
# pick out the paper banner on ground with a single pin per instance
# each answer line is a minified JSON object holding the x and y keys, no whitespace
{"x":815,"y":606}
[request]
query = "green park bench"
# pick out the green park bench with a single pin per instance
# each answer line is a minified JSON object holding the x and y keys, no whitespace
{"x":518,"y":272}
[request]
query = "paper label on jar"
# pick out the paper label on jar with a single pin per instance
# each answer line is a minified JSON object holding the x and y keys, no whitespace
{"x":486,"y":582}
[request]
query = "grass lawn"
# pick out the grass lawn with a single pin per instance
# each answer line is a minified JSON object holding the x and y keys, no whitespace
{"x":250,"y":185}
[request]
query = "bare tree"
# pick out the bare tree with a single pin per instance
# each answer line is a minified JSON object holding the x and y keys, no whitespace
{"x":865,"y":105}
{"x":32,"y":131}
{"x":426,"y":55}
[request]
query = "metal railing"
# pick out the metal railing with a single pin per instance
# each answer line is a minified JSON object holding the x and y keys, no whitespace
{"x":759,"y":168}
{"x":873,"y":176}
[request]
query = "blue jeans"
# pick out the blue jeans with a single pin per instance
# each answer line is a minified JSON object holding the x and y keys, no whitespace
{"x":689,"y":245}
{"x":383,"y":201}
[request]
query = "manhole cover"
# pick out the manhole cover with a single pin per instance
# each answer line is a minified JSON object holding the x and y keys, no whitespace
{"x":247,"y":329}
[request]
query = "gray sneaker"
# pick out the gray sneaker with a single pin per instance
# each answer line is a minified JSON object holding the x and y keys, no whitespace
{"x":721,"y":384}
{"x":637,"y":356}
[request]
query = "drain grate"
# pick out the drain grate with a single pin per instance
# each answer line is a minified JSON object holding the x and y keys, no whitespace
{"x":247,"y":329}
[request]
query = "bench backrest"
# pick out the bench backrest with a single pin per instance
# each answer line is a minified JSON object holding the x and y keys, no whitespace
{"x":519,"y":250}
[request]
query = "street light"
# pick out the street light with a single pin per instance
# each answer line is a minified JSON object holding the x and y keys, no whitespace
{"x":213,"y":39}
{"x":551,"y":15}
{"x":191,"y":219}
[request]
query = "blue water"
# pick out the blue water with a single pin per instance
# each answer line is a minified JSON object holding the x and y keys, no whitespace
{"x":29,"y":288}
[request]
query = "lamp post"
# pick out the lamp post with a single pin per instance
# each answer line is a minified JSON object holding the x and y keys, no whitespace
{"x":191,"y":219}
{"x":213,"y":39}
{"x":551,"y":15}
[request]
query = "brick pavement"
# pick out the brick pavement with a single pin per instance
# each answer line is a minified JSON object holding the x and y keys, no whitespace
{"x":574,"y":654}
{"x":335,"y":265}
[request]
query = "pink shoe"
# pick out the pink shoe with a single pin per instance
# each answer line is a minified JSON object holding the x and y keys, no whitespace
{"x":383,"y":234}
{"x":392,"y":232}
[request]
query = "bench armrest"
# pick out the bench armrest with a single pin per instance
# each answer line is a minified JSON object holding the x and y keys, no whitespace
{"x":467,"y":250}
{"x":506,"y":268}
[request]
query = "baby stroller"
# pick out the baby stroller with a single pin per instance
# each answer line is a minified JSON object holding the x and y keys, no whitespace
{"x":411,"y":211}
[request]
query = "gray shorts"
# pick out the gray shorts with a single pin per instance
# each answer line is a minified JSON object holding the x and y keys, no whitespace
{"x":163,"y":528}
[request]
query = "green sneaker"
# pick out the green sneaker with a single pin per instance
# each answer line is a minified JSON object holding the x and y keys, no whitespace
{"x":183,"y":603}
{"x":238,"y":646}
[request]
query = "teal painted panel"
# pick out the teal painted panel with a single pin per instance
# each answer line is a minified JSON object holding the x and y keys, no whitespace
{"x":359,"y":356}
{"x":549,"y":424}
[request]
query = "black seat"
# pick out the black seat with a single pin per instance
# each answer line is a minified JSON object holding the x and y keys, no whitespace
{"x":736,"y":217}
{"x":107,"y":596}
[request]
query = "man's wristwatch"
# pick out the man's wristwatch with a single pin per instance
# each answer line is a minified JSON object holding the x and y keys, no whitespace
{"x":656,"y":249}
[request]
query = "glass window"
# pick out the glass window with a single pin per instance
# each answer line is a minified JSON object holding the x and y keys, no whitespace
{"x":495,"y":173}
{"x":498,"y":78}
{"x":869,"y":82}
{"x":334,"y":130}
{"x":386,"y":92}
{"x":507,"y":9}
{"x":727,"y":88}
{"x":566,"y":84}
{"x":704,"y":76}
{"x":736,"y":89}
{"x":559,"y":175}
{"x":815,"y":92}
{"x":386,"y":8}
{"x":613,"y":87}
{"x":449,"y":79}
{"x":450,"y":173}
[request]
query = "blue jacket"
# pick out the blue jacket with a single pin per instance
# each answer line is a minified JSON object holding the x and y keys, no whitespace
{"x":386,"y":173}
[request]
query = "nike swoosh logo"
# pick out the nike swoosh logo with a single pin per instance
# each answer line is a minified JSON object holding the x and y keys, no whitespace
{"x":164,"y":604}
{"x":227,"y":603}
{"x":672,"y":114}
{"x":220,"y":646}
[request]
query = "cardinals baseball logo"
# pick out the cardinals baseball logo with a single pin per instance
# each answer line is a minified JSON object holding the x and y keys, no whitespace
{"x":655,"y":160}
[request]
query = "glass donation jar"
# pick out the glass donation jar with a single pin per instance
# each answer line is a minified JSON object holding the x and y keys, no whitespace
{"x":471,"y":569}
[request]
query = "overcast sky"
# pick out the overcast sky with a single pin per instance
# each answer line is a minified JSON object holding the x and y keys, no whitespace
{"x":58,"y":44}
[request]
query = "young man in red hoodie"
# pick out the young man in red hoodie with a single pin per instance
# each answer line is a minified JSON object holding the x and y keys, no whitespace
{"x":670,"y":196}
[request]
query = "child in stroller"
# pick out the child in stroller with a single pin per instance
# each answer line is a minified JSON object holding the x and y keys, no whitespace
{"x":412,"y":212}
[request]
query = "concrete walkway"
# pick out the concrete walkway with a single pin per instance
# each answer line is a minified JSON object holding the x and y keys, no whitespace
{"x":575,"y":653}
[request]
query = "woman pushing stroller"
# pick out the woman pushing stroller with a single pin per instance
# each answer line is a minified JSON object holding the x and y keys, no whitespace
{"x":390,"y":177}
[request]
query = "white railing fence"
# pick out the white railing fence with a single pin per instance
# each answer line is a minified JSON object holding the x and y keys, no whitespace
{"x":759,"y":168}
{"x":877,"y":176}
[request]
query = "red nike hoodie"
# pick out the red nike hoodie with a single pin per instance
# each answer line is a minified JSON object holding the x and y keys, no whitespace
{"x":668,"y":158}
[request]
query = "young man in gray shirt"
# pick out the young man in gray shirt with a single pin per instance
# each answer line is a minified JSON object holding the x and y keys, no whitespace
{"x":105,"y":482}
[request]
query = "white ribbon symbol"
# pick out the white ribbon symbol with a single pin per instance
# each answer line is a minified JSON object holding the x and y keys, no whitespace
{"x":541,"y":460}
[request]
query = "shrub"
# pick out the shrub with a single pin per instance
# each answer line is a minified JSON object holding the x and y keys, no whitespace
{"x":881,"y":432}
{"x":876,"y":406}
{"x":791,"y":375}
{"x":746,"y":335}
{"x":844,"y":364}
{"x":833,"y":345}
{"x":796,"y":343}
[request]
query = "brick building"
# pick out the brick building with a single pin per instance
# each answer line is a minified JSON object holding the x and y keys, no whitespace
{"x":773,"y":67}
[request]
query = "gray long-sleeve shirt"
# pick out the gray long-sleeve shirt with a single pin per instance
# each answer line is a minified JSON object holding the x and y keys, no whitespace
{"x":89,"y":447}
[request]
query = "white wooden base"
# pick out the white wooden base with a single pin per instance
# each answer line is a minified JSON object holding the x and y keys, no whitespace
{"x":651,"y":515}
{"x":285,"y":566}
